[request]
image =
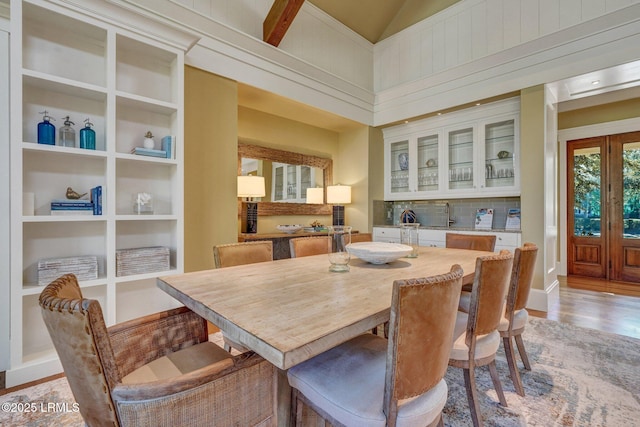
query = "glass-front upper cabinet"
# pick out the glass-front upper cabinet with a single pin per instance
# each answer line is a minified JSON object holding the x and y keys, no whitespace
{"x":399,"y":164}
{"x":499,"y":150}
{"x":461,"y":158}
{"x":290,"y":182}
{"x":428,"y":163}
{"x":467,"y":153}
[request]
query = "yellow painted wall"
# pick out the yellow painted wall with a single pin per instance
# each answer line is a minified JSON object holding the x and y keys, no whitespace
{"x":211,"y":152}
{"x":532,"y":200}
{"x":600,"y":114}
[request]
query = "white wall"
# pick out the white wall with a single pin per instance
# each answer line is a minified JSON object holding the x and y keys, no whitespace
{"x":481,"y":48}
{"x":5,"y":280}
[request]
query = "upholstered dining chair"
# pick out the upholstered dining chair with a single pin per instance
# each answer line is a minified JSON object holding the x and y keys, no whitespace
{"x":241,"y":253}
{"x":476,"y":338}
{"x":361,"y":237}
{"x":232,"y":254}
{"x":371,"y":381}
{"x":515,"y":315}
{"x":158,"y":370}
{"x":477,"y":242}
{"x":306,"y":246}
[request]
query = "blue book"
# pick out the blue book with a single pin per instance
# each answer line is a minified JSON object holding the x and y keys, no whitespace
{"x":169,"y":146}
{"x":71,"y":205}
{"x":96,"y":197}
{"x":67,"y":201}
{"x":88,"y":207}
{"x":141,"y":151}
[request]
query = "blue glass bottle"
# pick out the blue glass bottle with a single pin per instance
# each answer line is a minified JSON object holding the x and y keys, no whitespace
{"x":87,"y":136}
{"x":46,"y":130}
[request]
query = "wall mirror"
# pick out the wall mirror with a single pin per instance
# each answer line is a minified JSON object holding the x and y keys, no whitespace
{"x":284,"y":194}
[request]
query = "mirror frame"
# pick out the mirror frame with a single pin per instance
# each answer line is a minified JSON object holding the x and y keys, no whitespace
{"x":275,"y":208}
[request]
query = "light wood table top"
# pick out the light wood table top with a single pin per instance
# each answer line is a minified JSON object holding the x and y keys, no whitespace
{"x":293,"y":309}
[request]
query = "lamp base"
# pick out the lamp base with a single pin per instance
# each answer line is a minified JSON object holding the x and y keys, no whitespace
{"x":338,"y":215}
{"x":249,"y":218}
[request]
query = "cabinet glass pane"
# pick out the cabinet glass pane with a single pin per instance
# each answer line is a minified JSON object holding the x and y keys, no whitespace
{"x":292,"y":182}
{"x":278,"y":183}
{"x":399,"y":167}
{"x":499,"y":145}
{"x":461,"y":159}
{"x":428,"y":163}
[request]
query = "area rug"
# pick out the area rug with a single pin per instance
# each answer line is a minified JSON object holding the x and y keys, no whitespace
{"x":579,"y":377}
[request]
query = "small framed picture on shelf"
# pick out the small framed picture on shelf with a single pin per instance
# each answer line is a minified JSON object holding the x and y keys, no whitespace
{"x":484,"y":219}
{"x":513,"y":219}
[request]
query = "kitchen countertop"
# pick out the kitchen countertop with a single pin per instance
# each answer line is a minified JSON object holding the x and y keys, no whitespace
{"x":497,"y":230}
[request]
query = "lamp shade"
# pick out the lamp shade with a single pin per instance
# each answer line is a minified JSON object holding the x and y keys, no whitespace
{"x":315,"y":196}
{"x":251,"y":186}
{"x":339,"y":194}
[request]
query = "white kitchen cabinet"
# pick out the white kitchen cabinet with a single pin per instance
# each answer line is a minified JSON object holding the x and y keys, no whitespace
{"x":465,"y":154}
{"x":437,"y":237}
{"x":70,"y":62}
{"x":290,"y":182}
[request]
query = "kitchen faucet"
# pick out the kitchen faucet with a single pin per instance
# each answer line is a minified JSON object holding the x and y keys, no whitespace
{"x":450,"y":219}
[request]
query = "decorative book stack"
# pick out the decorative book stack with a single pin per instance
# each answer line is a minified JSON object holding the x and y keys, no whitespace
{"x":168,"y":150}
{"x":142,"y":260}
{"x":79,"y":206}
{"x":71,"y":207}
{"x":84,"y":267}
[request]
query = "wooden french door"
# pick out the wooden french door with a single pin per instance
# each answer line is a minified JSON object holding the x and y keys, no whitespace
{"x":603,"y":177}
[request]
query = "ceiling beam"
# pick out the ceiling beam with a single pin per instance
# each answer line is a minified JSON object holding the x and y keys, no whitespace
{"x":279,"y":19}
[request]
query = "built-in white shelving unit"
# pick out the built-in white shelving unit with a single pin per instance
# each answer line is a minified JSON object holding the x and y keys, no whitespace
{"x":68,"y":61}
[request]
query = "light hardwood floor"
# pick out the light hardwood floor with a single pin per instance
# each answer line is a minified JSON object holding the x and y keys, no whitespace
{"x":617,"y":310}
{"x":578,"y":304}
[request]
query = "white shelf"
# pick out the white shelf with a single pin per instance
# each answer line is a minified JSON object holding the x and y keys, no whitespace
{"x":70,"y":62}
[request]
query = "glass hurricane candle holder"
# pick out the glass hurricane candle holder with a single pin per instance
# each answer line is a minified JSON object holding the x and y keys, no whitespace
{"x":339,"y":238}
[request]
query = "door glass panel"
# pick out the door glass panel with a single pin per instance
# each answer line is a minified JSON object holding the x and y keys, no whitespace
{"x":631,"y":190}
{"x":586,"y":190}
{"x":399,"y":167}
{"x":461,"y":159}
{"x":499,"y":143}
{"x":428,"y":163}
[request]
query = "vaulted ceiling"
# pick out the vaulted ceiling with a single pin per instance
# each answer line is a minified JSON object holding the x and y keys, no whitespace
{"x":378,"y":19}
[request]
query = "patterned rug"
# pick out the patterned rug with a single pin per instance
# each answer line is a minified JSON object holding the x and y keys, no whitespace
{"x":579,"y":377}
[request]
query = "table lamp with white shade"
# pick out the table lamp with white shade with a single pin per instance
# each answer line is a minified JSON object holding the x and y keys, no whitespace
{"x":338,"y":196}
{"x":250,"y":187}
{"x":315,"y":196}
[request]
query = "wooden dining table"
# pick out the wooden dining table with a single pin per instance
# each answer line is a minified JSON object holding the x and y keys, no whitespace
{"x":290,"y":310}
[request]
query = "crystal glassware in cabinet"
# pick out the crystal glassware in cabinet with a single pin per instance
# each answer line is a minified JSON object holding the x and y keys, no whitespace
{"x":428,"y":163}
{"x":499,"y":154}
{"x":461,"y":158}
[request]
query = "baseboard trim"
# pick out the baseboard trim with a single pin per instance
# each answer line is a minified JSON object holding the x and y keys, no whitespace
{"x":542,"y":299}
{"x":33,"y":372}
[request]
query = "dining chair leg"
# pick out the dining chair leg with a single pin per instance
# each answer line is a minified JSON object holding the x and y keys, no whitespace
{"x":523,"y":352}
{"x":510,"y":353}
{"x":474,"y":405}
{"x":296,"y":408}
{"x":496,"y":383}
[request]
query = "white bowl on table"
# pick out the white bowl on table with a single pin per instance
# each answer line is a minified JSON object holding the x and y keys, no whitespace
{"x":290,"y":229}
{"x":378,"y":252}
